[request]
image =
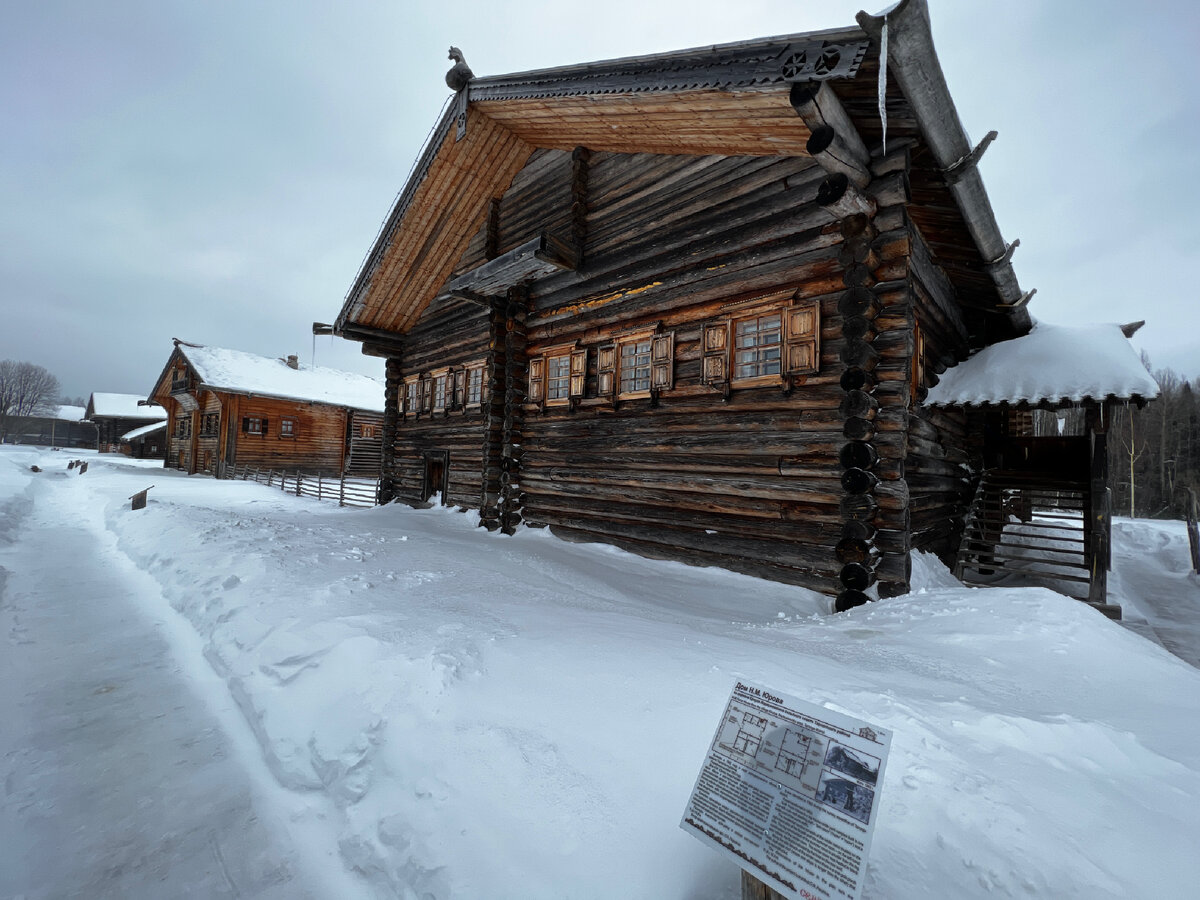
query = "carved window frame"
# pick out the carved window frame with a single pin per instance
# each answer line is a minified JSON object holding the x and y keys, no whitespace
{"x":799,"y":343}
{"x":565,"y":368}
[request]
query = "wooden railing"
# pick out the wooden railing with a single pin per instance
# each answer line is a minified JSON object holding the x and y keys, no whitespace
{"x":346,"y":490}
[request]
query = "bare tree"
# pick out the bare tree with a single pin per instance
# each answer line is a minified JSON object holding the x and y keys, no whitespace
{"x":25,"y":390}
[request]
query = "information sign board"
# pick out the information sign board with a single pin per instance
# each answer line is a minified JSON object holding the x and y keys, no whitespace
{"x":790,"y":790}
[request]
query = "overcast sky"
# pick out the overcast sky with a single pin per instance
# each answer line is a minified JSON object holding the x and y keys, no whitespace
{"x":216,"y":171}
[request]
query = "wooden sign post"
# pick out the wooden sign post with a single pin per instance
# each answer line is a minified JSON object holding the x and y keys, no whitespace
{"x":139,"y":499}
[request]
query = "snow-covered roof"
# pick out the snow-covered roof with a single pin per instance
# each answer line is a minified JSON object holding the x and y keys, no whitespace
{"x":70,"y":413}
{"x":246,"y":373}
{"x":1052,"y":363}
{"x":144,"y":430}
{"x":125,"y":406}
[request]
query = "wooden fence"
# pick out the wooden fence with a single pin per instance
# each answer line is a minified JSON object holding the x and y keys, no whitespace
{"x":346,"y":490}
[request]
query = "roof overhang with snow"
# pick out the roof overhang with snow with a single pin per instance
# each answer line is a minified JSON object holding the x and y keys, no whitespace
{"x":730,"y":99}
{"x":1051,"y":367}
{"x":144,"y":430}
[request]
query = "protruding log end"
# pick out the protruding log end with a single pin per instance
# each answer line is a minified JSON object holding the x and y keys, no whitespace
{"x":848,"y":600}
{"x":858,"y":455}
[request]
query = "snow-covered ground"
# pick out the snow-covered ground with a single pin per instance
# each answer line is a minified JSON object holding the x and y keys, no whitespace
{"x":421,"y":709}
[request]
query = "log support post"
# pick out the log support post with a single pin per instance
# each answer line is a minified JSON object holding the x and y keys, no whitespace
{"x":391,"y":418}
{"x":1098,"y":534}
{"x":506,"y":382}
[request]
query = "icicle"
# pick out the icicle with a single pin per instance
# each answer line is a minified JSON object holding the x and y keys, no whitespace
{"x":883,"y":53}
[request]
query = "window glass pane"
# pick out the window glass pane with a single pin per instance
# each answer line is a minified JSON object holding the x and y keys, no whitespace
{"x":475,"y":386}
{"x":758,"y":346}
{"x":558,"y":377}
{"x":635,"y":366}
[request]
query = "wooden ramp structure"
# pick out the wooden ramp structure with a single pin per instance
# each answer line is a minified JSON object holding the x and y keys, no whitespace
{"x":1028,"y":526}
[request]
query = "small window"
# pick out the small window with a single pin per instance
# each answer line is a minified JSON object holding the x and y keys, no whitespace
{"x":917,"y":371}
{"x":474,"y":385}
{"x":439,"y":392}
{"x":183,"y":426}
{"x":210,"y":425}
{"x":557,"y":377}
{"x":412,"y":386}
{"x":254,"y":425}
{"x":287,"y":427}
{"x":644,"y":363}
{"x":368,"y":431}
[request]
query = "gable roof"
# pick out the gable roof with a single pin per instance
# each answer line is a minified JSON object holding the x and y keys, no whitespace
{"x":123,"y":406}
{"x":1053,"y":365}
{"x":729,"y":99}
{"x":237,"y":372}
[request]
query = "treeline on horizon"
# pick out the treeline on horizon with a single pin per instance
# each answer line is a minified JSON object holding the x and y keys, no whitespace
{"x":1154,"y":452}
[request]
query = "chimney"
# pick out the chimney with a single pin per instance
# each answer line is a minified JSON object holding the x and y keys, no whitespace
{"x":293,"y":361}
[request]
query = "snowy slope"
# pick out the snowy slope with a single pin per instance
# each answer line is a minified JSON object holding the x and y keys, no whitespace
{"x":468,"y":715}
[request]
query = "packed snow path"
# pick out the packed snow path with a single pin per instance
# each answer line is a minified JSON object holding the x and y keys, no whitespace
{"x":119,"y":780}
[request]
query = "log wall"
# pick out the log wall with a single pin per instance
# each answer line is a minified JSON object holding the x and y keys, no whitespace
{"x":755,"y":479}
{"x":451,"y":333}
{"x":940,"y":466}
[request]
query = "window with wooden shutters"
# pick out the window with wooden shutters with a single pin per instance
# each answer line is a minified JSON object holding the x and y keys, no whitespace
{"x":537,"y":380}
{"x":644,"y":363}
{"x":606,"y":371}
{"x":803,"y":338}
{"x":763,"y":343}
{"x":715,"y":341}
{"x":578,"y":373}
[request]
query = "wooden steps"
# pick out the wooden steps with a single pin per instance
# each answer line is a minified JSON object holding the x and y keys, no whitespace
{"x":1032,"y":527}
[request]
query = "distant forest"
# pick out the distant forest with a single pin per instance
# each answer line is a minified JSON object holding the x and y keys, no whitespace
{"x":1154,"y":452}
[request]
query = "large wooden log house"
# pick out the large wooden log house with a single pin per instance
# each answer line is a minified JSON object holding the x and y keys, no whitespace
{"x":692,"y":303}
{"x":233,"y":410}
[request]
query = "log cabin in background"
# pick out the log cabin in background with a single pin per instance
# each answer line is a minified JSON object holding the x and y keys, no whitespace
{"x":117,"y":414}
{"x":692,"y":303}
{"x":232,"y":409}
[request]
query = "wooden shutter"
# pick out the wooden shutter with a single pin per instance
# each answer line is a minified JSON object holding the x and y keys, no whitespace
{"x":803,"y":338}
{"x":264,"y":426}
{"x":245,"y":424}
{"x":460,"y":389}
{"x":715,"y":347}
{"x":578,"y":373}
{"x":537,"y":380}
{"x":606,"y":371}
{"x":662,"y":362}
{"x":426,"y":393}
